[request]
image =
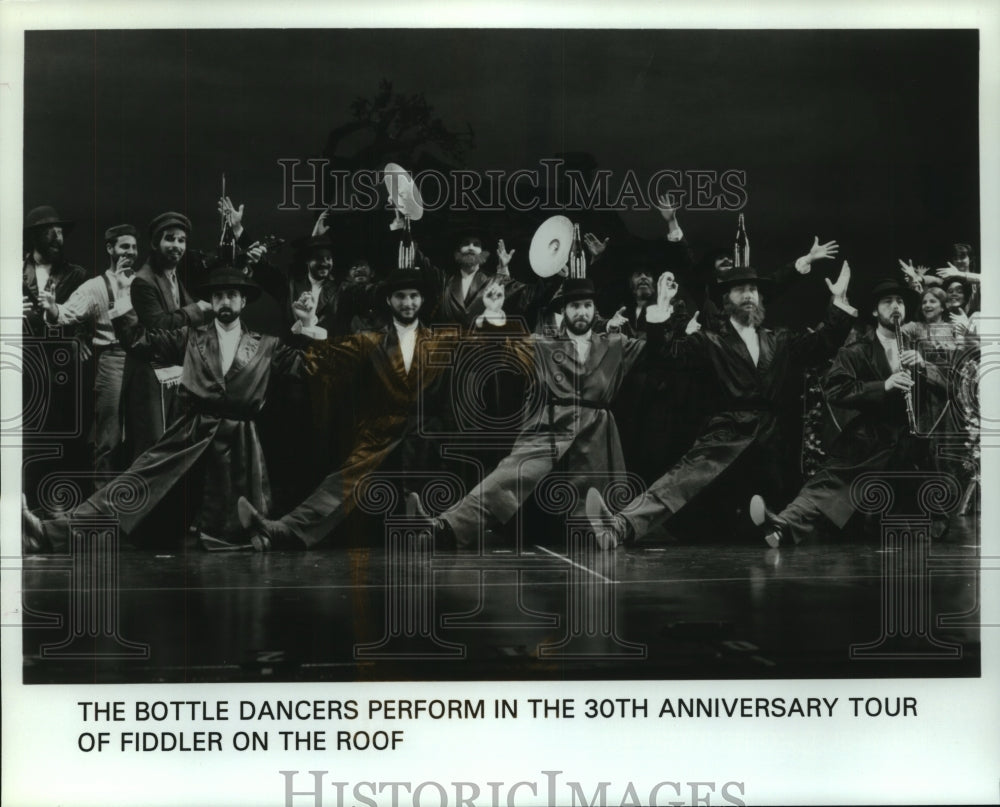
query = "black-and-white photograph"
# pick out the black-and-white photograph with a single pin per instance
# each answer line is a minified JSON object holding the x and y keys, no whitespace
{"x":353,"y":354}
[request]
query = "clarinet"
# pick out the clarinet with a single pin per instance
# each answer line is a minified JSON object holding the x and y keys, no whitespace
{"x":908,"y":395}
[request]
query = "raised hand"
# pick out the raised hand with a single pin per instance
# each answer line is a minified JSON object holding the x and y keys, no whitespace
{"x":693,"y":325}
{"x":123,"y":277}
{"x":615,"y":324}
{"x":26,"y":305}
{"x":503,"y":257}
{"x":232,"y":214}
{"x":948,"y":272}
{"x":666,"y":288}
{"x":321,"y":227}
{"x":494,"y":297}
{"x":594,"y":245}
{"x":913,"y":276}
{"x":667,"y":208}
{"x":304,"y":307}
{"x":819,"y":252}
{"x":960,"y":322}
{"x":839,"y":288}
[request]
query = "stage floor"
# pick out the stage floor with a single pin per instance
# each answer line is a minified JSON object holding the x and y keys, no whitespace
{"x":648,"y":612}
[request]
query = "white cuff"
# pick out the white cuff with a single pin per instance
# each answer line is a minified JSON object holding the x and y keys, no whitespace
{"x":845,"y":306}
{"x":675,"y":235}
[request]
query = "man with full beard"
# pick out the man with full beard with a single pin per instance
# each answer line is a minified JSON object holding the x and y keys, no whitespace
{"x":872,"y":378}
{"x":211,"y":454}
{"x":45,"y":267}
{"x":394,"y":373}
{"x":580,"y":372}
{"x":52,"y":403}
{"x":461,"y":292}
{"x":742,"y":439}
{"x":161,"y":302}
{"x":89,"y":307}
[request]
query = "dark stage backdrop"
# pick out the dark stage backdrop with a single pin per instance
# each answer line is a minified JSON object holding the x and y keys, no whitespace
{"x":869,"y":137}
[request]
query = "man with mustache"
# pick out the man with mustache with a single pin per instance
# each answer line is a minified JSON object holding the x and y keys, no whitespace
{"x":52,"y":406}
{"x":580,"y":372}
{"x":742,"y":438}
{"x":90,"y":307}
{"x":210,"y":455}
{"x":391,"y":373}
{"x":872,"y":378}
{"x":461,"y":292}
{"x":161,"y":302}
{"x":45,"y":266}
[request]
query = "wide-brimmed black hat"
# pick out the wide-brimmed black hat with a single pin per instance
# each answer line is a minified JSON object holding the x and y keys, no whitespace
{"x":892,"y":286}
{"x":725,"y":279}
{"x":574,"y":288}
{"x":309,"y":242}
{"x":408,"y":279}
{"x":167,"y":220}
{"x":46,"y":216}
{"x":226,"y":277}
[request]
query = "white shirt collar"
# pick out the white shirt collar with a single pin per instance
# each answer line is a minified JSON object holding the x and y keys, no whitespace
{"x":748,"y":334}
{"x":407,"y":341}
{"x":228,"y":343}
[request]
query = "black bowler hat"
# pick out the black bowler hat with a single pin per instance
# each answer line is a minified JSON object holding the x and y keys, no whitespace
{"x":303,"y":245}
{"x":726,"y":278}
{"x":166,"y":220}
{"x":467,"y":234}
{"x":892,"y":287}
{"x":226,"y":277}
{"x":46,"y":216}
{"x":574,"y":288}
{"x":114,"y":233}
{"x":408,"y":279}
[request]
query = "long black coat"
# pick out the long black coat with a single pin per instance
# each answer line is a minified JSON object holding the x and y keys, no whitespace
{"x":747,"y":400}
{"x":878,"y":437}
{"x":216,"y":433}
{"x":393,"y":405}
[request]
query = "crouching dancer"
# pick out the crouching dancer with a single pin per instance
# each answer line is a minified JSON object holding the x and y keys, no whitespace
{"x":226,"y":370}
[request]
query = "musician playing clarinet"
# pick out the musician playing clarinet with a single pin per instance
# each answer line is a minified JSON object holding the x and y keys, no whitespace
{"x":875,"y":377}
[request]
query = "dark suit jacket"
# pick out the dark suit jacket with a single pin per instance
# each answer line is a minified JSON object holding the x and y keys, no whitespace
{"x":147,"y":407}
{"x":877,"y":438}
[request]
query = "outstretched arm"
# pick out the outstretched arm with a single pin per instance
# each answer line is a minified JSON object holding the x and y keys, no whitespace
{"x":819,"y":344}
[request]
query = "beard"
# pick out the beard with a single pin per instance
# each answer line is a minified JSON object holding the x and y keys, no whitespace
{"x":225,"y":315}
{"x":642,"y":292}
{"x":404,"y":318}
{"x":471,"y":260}
{"x":748,"y":315}
{"x":578,"y":325}
{"x":169,"y":257}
